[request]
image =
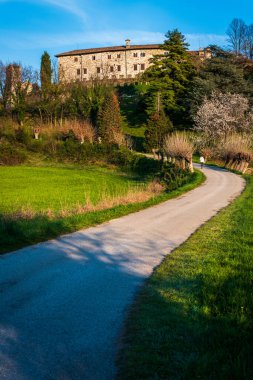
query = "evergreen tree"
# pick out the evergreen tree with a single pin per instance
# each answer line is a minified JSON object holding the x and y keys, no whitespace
{"x":45,"y":71}
{"x":225,"y":73}
{"x":109,"y":118}
{"x":158,"y":127}
{"x":170,"y":74}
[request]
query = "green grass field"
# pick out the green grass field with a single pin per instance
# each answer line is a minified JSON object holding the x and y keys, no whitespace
{"x":54,"y":188}
{"x":57,"y":188}
{"x":193,"y":318}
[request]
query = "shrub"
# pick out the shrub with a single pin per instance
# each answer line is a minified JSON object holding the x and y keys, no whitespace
{"x":172,"y":176}
{"x":144,"y":165}
{"x":237,"y":153}
{"x":11,"y":155}
{"x":179,"y":148}
{"x":82,"y":130}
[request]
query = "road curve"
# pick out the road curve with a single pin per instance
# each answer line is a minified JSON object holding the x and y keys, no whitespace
{"x":63,"y":302}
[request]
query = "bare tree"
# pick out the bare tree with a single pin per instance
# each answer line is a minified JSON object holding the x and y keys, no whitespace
{"x":248,"y":42}
{"x":236,"y":33}
{"x":237,"y":152}
{"x":82,"y":129}
{"x":179,"y":149}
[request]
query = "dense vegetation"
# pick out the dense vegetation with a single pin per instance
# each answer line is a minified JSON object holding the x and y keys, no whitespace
{"x":193,"y":318}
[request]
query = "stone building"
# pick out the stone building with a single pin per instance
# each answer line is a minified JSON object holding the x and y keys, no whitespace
{"x":116,"y":63}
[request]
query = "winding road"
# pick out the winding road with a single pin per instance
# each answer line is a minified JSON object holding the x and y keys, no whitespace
{"x":63,"y":302}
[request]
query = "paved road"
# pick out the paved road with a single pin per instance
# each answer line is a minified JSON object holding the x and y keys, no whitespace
{"x":63,"y":302}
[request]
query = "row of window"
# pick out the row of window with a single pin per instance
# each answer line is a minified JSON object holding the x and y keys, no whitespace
{"x":110,"y":56}
{"x":112,"y":69}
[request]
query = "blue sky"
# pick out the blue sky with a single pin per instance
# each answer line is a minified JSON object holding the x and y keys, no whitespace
{"x":29,"y":27}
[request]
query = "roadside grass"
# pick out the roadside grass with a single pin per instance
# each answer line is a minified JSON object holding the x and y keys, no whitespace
{"x":40,"y":189}
{"x":193,"y":317}
{"x":20,"y":231}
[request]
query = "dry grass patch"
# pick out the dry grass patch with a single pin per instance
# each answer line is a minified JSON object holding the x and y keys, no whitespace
{"x":141,"y":193}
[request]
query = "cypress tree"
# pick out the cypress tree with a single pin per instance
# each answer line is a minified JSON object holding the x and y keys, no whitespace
{"x":158,"y":127}
{"x":45,"y":71}
{"x":109,"y":118}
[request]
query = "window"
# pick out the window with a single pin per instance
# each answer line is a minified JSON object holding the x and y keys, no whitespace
{"x":111,"y":69}
{"x":109,"y":56}
{"x":93,"y":57}
{"x":75,"y":59}
{"x":135,"y":54}
{"x":142,"y":66}
{"x":118,"y":55}
{"x":78,"y":71}
{"x":85,"y":71}
{"x":98,"y":70}
{"x":135,"y":67}
{"x":119,"y":68}
{"x":143,"y":54}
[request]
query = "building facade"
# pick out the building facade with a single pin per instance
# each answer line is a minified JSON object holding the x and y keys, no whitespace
{"x":116,"y":63}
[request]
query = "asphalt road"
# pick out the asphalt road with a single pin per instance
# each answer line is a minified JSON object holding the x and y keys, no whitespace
{"x":63,"y":302}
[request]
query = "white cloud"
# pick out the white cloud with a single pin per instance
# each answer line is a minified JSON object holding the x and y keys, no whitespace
{"x":100,"y":38}
{"x":70,"y":6}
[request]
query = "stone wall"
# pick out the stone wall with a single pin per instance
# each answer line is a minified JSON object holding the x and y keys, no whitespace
{"x":115,"y":65}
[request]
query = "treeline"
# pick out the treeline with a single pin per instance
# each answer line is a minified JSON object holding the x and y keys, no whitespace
{"x":169,"y":96}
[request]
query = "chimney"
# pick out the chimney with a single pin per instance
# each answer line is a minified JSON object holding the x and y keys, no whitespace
{"x":201,"y":52}
{"x":127,"y":43}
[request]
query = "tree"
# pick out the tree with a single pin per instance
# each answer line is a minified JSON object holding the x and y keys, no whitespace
{"x":225,"y":73}
{"x":223,"y":114}
{"x":158,"y":127}
{"x":170,"y":74}
{"x":237,"y":152}
{"x":109,"y":119}
{"x":236,"y":35}
{"x":240,"y":38}
{"x":179,"y":149}
{"x":45,"y":71}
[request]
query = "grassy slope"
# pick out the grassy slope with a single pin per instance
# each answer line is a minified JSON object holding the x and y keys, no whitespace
{"x":42,"y":188}
{"x":193,"y":318}
{"x":15,"y":234}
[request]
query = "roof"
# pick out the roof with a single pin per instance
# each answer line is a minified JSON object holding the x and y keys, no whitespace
{"x":109,"y":49}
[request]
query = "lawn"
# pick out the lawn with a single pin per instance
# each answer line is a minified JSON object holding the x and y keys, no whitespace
{"x":54,"y":188}
{"x":193,"y":319}
{"x":43,"y":194}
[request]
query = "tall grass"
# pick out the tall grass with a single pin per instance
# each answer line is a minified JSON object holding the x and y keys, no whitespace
{"x":41,"y":188}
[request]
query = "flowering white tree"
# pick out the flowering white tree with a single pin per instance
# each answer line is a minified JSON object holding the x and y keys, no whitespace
{"x":222,"y":115}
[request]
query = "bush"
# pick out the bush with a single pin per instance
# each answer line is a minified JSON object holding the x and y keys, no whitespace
{"x":144,"y":165}
{"x":11,"y":155}
{"x":172,"y":177}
